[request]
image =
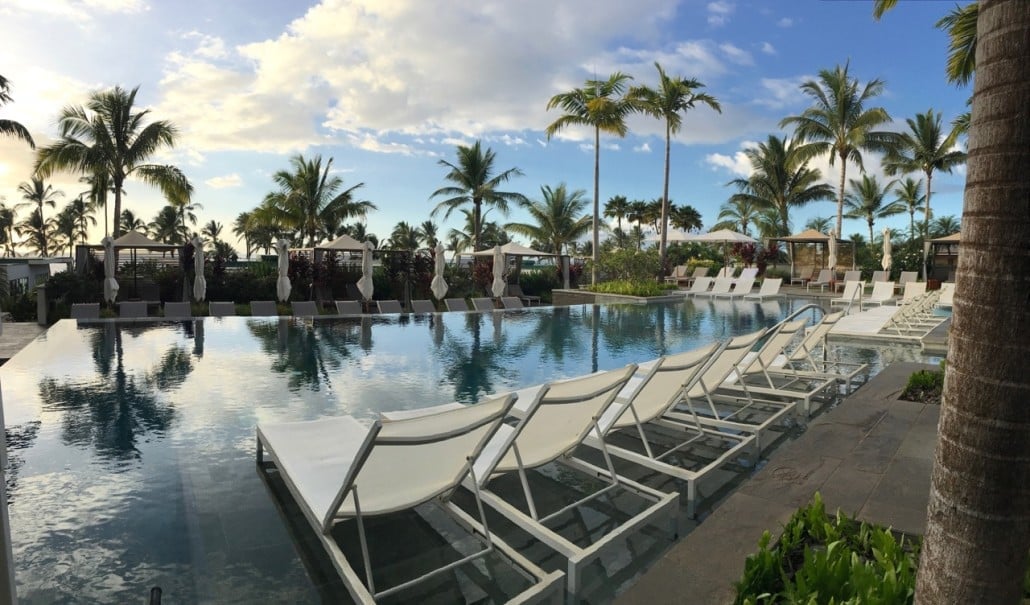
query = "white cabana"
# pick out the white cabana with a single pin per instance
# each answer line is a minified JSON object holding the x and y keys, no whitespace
{"x":722,"y":236}
{"x":439,"y":285}
{"x":512,"y":249}
{"x":282,"y":285}
{"x":365,"y":284}
{"x":110,"y":284}
{"x":199,"y":283}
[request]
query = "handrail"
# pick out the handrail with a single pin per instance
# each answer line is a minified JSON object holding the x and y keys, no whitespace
{"x":796,"y":313}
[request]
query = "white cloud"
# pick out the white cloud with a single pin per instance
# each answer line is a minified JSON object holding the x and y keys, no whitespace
{"x":224,"y":181}
{"x":736,"y":55}
{"x":209,"y":47}
{"x":768,"y":49}
{"x":778,"y":93}
{"x":719,"y":12}
{"x":785,"y":22}
{"x":643,"y":148}
{"x":80,"y":11}
{"x":737,"y":164}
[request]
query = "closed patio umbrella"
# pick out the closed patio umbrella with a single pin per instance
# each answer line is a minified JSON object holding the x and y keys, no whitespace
{"x":110,"y":285}
{"x":365,"y":285}
{"x":439,"y":286}
{"x":282,"y":285}
{"x":199,"y":283}
{"x":831,"y":258}
{"x":498,"y":284}
{"x":887,"y":260}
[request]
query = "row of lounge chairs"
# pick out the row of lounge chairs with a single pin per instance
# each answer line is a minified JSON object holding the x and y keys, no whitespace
{"x":917,"y":317}
{"x":722,"y":395}
{"x":730,"y":287}
{"x":827,"y":277}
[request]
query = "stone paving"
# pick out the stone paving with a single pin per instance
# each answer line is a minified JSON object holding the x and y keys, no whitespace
{"x":16,"y":335}
{"x":871,"y":457}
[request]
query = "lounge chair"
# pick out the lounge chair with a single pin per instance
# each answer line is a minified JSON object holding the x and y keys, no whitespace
{"x":423,"y":306}
{"x":679,"y":272}
{"x":883,"y":292}
{"x":770,"y":289}
{"x":178,"y":310}
{"x":456,"y":304}
{"x":852,"y":294}
{"x":913,"y":290}
{"x":700,"y":286}
{"x":906,"y":277}
{"x":511,"y":302}
{"x":339,"y":471}
{"x":698,"y":272}
{"x":848,"y":276}
{"x":640,"y":412}
{"x":554,"y":420}
{"x":825,"y":278}
{"x":389,"y":306}
{"x":348,"y":307}
{"x":721,"y":285}
{"x":516,"y":290}
{"x":221,"y":309}
{"x":880,"y":276}
{"x":804,"y":355}
{"x":726,"y":272}
{"x":304,"y":308}
{"x":263,"y":308}
{"x":947,"y":296}
{"x":85,"y":311}
{"x":741,"y":286}
{"x":916,"y":319}
{"x":136,"y":308}
{"x":747,"y":272}
{"x":483,"y":304}
{"x":804,"y":276}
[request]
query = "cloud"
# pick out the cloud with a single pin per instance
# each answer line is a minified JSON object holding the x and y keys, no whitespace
{"x":768,"y":49}
{"x":719,"y":12}
{"x":737,"y":164}
{"x":736,"y":55}
{"x":785,"y":22}
{"x":642,"y":148}
{"x":80,"y":11}
{"x":782,"y":92}
{"x":225,"y":181}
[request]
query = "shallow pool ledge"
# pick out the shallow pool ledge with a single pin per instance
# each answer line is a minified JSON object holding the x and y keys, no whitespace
{"x":583,"y":297}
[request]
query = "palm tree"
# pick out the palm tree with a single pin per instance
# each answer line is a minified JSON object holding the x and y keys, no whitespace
{"x":34,"y":228}
{"x":404,"y":237}
{"x":241,"y":227}
{"x":866,"y":200}
{"x":67,"y":229}
{"x":944,"y":225}
{"x":81,"y":215}
{"x":39,"y":194}
{"x":99,"y":187}
{"x":130,"y":222}
{"x":927,"y":148}
{"x":840,"y":124}
{"x":673,"y":97}
{"x":427,"y":233}
{"x":558,"y":217}
{"x":10,"y":127}
{"x":736,"y":213}
{"x":308,"y":197}
{"x":638,"y":212}
{"x":602,"y":105}
{"x":781,"y":180}
{"x":474,"y":183}
{"x":910,"y":192}
{"x":185,"y":211}
{"x":617,"y":207}
{"x":685,"y":217}
{"x":960,"y":24}
{"x":107,"y":137}
{"x":7,"y":216}
{"x":165,"y":226}
{"x":212,"y":230}
{"x":819,"y":223}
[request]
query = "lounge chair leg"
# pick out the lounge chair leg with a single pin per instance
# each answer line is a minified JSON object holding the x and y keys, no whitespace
{"x":364,"y":543}
{"x":525,"y":483}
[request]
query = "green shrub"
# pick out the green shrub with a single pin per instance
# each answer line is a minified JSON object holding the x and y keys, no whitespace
{"x":630,"y":288}
{"x":925,"y":386}
{"x":629,"y":265}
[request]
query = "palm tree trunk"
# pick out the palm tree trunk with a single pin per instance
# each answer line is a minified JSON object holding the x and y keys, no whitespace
{"x":870,"y":233}
{"x":840,"y":194}
{"x":117,"y":208}
{"x":663,"y":250}
{"x":477,"y":228}
{"x":597,"y":203}
{"x":926,"y":213}
{"x":911,"y":223}
{"x":975,"y":549}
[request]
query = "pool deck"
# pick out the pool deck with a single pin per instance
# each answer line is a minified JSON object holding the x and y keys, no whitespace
{"x":871,"y":456}
{"x":16,"y":335}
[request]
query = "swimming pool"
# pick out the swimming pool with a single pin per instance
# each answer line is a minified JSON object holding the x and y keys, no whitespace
{"x":131,"y":444}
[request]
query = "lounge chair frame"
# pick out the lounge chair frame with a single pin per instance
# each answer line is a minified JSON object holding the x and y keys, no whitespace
{"x":770,"y":289}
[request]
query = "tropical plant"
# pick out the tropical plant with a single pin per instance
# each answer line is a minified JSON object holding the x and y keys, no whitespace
{"x":910,"y":193}
{"x":867,"y":200}
{"x":308,"y":198}
{"x":107,"y":137}
{"x":685,"y":217}
{"x":927,"y":148}
{"x":35,"y":231}
{"x":37,"y":193}
{"x":819,"y":223}
{"x":427,"y":234}
{"x":960,"y":24}
{"x":603,"y":106}
{"x":7,"y":220}
{"x":673,"y":97}
{"x":242,"y":227}
{"x":737,"y":215}
{"x":130,"y":222}
{"x":404,"y":237}
{"x":82,"y":214}
{"x":474,"y":183}
{"x":780,"y":180}
{"x":212,"y":230}
{"x":840,"y":124}
{"x":66,"y":231}
{"x":558,"y":218}
{"x":10,"y":127}
{"x":617,"y":207}
{"x":944,"y":225}
{"x":165,"y":226}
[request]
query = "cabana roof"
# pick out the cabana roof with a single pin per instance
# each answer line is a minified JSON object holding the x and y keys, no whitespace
{"x":513,"y":249}
{"x":135,"y":239}
{"x":345,"y":243}
{"x":954,"y":238}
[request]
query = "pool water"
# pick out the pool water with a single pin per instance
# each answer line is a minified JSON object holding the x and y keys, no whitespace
{"x":132,"y":444}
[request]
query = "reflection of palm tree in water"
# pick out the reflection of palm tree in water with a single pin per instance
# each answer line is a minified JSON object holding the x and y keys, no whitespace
{"x":472,"y":367}
{"x":114,"y":411}
{"x":557,"y":334}
{"x":308,"y":353}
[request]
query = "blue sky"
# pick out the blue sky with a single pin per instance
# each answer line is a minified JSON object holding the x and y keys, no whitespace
{"x":389,"y":87}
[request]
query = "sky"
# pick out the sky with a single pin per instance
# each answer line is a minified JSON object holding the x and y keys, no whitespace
{"x":388,"y":88}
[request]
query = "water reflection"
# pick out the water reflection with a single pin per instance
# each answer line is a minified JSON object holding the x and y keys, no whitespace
{"x":472,"y":364}
{"x":116,"y":409}
{"x":306,"y":354}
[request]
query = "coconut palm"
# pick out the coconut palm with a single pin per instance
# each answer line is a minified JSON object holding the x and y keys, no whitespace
{"x":37,"y":193}
{"x":674,"y":96}
{"x":474,"y":183}
{"x":603,"y":106}
{"x":7,"y":220}
{"x":737,"y":215}
{"x":130,"y":222}
{"x":81,"y":215}
{"x":944,"y":225}
{"x":10,"y":127}
{"x":685,"y":217}
{"x":557,"y":217}
{"x":66,"y":230}
{"x":108,"y":137}
{"x":840,"y":123}
{"x":617,"y":207}
{"x":35,"y":229}
{"x":638,"y":212}
{"x":308,"y":196}
{"x":165,"y":226}
{"x":960,"y":24}
{"x":186,"y":212}
{"x":781,"y":180}
{"x":241,"y":227}
{"x":867,"y":200}
{"x":212,"y":230}
{"x":819,"y":223}
{"x":927,"y":148}
{"x":427,"y":234}
{"x":910,"y":192}
{"x":404,"y":237}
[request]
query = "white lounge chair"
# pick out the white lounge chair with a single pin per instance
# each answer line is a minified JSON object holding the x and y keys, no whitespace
{"x":679,"y":272}
{"x":221,"y":308}
{"x":512,"y":302}
{"x":879,"y":276}
{"x":263,"y":308}
{"x":700,"y":286}
{"x":883,"y":292}
{"x":389,"y":306}
{"x":178,"y":310}
{"x":906,"y":277}
{"x":747,"y":272}
{"x":805,"y":357}
{"x":456,"y":304}
{"x":804,"y":276}
{"x":913,"y":290}
{"x":721,"y":285}
{"x":304,"y":308}
{"x":852,"y":294}
{"x":85,"y":311}
{"x":770,"y":289}
{"x":825,"y":278}
{"x":339,"y":471}
{"x":132,"y":309}
{"x":483,"y":304}
{"x":741,"y":286}
{"x":348,"y":307}
{"x":726,"y":272}
{"x":698,"y":272}
{"x":947,"y":296}
{"x":848,"y":276}
{"x":423,"y":306}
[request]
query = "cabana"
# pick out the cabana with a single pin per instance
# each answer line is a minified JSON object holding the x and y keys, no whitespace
{"x":135,"y":242}
{"x":512,"y":249}
{"x":944,"y":257}
{"x":815,"y":250}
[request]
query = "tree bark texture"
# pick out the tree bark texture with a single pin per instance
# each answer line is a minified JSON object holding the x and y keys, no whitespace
{"x":978,"y":530}
{"x":663,"y":252}
{"x":596,"y":252}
